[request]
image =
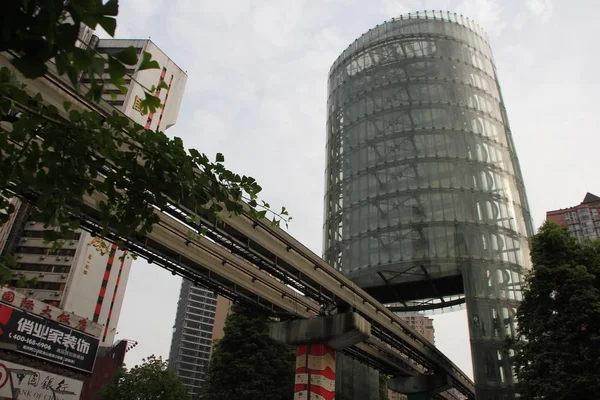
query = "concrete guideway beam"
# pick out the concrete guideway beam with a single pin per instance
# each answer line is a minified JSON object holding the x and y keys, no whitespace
{"x":289,"y":250}
{"x":336,"y":331}
{"x":422,"y":386}
{"x":169,"y":233}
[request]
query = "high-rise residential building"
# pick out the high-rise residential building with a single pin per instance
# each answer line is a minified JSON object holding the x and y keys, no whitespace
{"x":582,"y":220}
{"x":129,"y":103}
{"x":88,"y":275}
{"x":422,"y":324}
{"x":199,"y":322}
{"x":425,"y":204}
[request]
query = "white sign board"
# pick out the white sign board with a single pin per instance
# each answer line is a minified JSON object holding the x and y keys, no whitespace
{"x":21,"y":382}
{"x":21,"y":300}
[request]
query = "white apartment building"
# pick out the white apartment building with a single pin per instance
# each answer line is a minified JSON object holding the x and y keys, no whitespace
{"x":87,"y":275}
{"x":168,"y":72}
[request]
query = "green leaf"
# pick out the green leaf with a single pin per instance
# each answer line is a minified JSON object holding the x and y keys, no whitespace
{"x":108,"y":24}
{"x":62,"y":62}
{"x":82,"y":59}
{"x":127,"y":56}
{"x":148,"y":63}
{"x":30,"y":67}
{"x":73,"y":75}
{"x":111,"y":7}
{"x":163,"y":85}
{"x":116,"y":70}
{"x":97,"y":65}
{"x":151,"y":102}
{"x":220,"y":157}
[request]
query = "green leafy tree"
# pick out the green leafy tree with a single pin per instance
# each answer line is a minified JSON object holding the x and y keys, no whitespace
{"x":247,"y":364}
{"x":149,"y":381}
{"x":383,"y":386}
{"x":557,"y":347}
{"x":53,"y":157}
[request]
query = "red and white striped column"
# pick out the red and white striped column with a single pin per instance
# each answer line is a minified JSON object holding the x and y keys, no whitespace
{"x":315,"y":372}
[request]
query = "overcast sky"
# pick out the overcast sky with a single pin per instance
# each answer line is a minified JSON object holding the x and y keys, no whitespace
{"x":257,"y":92}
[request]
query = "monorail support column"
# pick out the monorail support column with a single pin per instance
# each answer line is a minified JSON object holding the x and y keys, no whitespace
{"x":422,"y":387}
{"x":318,"y":339}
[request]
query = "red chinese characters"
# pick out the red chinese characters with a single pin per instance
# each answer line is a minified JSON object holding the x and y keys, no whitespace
{"x":82,"y":325}
{"x":9,"y":297}
{"x":47,"y":312}
{"x":64,"y":318}
{"x":27,"y":304}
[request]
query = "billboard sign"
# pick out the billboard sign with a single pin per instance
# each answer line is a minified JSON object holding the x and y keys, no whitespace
{"x":20,"y":382}
{"x":46,"y":339}
{"x":31,"y":305}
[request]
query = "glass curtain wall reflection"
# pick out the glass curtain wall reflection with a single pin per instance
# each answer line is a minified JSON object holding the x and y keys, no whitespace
{"x":424,"y":194}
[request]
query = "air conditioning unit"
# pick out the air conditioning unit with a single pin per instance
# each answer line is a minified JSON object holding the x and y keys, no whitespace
{"x":42,"y":257}
{"x":31,"y":222}
{"x":41,"y":275}
{"x":58,"y":258}
{"x":20,"y":256}
{"x":63,"y":276}
{"x":73,"y":242}
{"x":67,"y":259}
{"x":56,"y":294}
{"x":24,"y":239}
{"x":30,"y":292}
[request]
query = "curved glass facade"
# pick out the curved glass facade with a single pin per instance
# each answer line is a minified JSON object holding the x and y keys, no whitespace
{"x":424,"y":195}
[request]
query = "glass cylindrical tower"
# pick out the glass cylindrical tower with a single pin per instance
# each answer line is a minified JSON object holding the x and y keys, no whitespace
{"x":424,"y":194}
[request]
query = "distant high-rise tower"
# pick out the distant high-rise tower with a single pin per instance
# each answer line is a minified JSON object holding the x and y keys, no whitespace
{"x":425,"y":204}
{"x":199,"y":321}
{"x":582,"y":220}
{"x":88,"y":276}
{"x":422,"y":324}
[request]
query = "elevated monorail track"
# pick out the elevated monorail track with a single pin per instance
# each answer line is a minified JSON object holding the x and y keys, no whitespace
{"x":255,"y":262}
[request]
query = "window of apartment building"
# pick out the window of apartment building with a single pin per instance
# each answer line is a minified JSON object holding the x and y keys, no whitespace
{"x":43,"y":285}
{"x":61,"y":269}
{"x":196,"y":304}
{"x":40,"y":234}
{"x":33,"y":267}
{"x":49,"y":286}
{"x":190,"y":324}
{"x":186,"y":381}
{"x":114,"y":50}
{"x":574,"y":216}
{"x":191,"y":338}
{"x":187,"y":359}
{"x":115,"y":103}
{"x":188,"y":366}
{"x":32,"y":250}
{"x":45,"y":251}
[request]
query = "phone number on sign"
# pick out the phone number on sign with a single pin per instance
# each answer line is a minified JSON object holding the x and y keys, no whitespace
{"x":32,"y":342}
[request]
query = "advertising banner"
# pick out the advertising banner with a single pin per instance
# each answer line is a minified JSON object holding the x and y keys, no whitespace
{"x":34,"y":306}
{"x":24,"y":383}
{"x":44,"y":338}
